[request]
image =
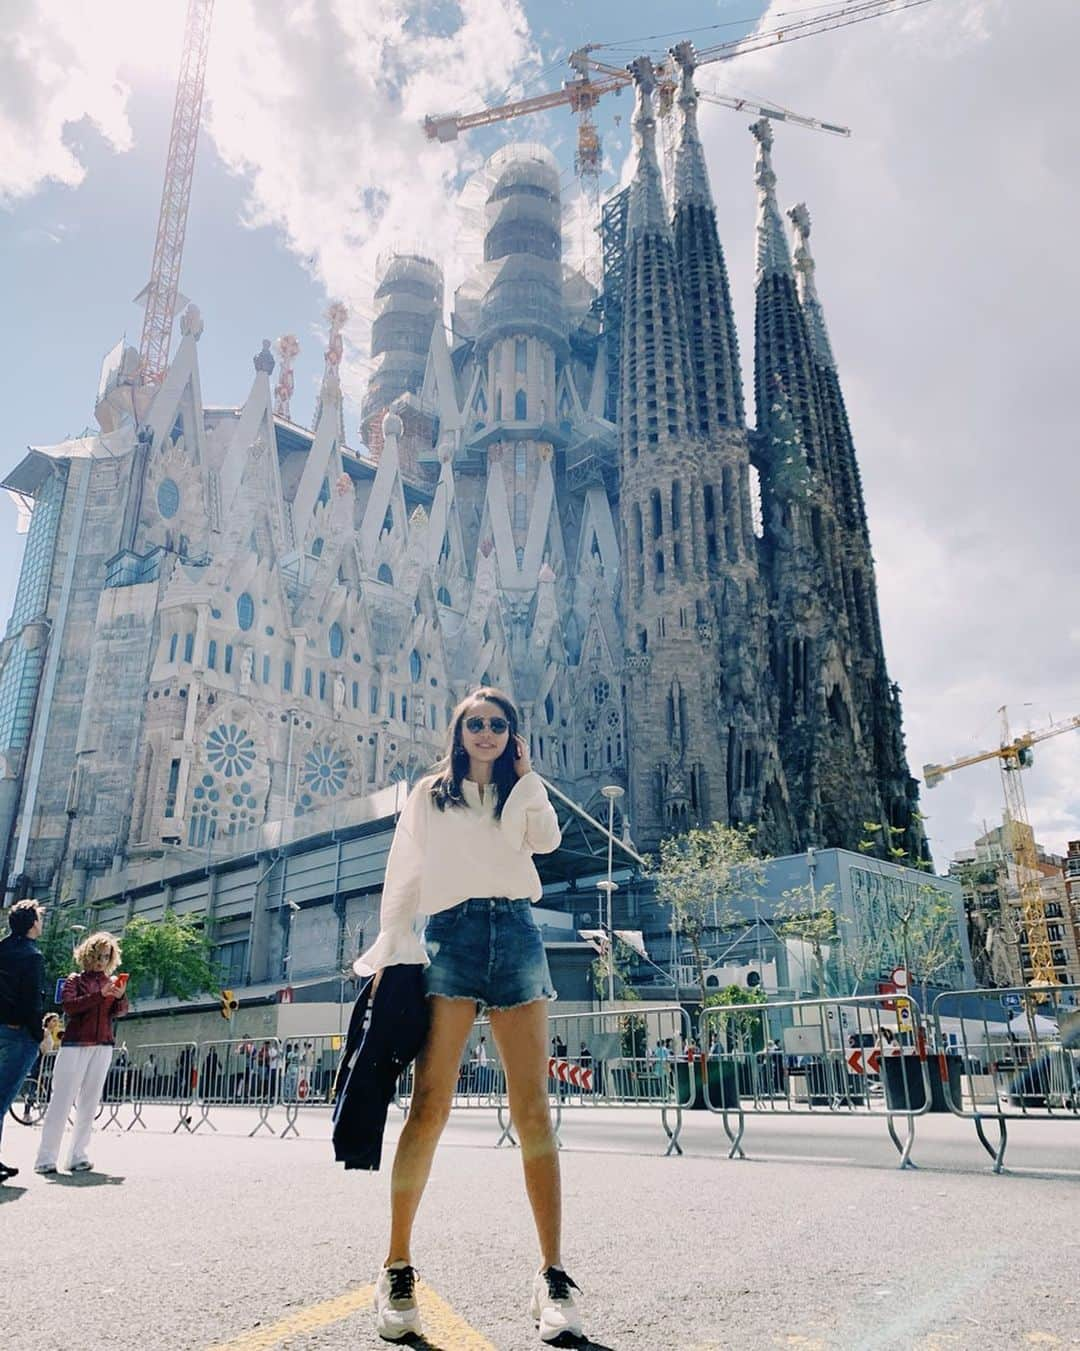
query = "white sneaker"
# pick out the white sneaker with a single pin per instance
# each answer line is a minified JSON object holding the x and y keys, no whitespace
{"x":553,"y":1306}
{"x":396,"y":1312}
{"x":83,"y":1166}
{"x":45,"y":1169}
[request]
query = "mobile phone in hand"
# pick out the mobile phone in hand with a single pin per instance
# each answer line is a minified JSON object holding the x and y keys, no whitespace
{"x":121,"y":979}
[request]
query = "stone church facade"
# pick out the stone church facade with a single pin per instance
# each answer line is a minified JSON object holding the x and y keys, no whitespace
{"x":225,"y":620}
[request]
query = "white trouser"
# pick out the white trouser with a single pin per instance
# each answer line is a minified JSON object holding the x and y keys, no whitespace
{"x":78,"y":1077}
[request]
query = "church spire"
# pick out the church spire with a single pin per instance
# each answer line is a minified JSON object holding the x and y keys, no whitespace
{"x":717,"y":398}
{"x":647,"y":212}
{"x":782,"y":345}
{"x":772,"y":246}
{"x":691,"y":176}
{"x":808,"y":296}
{"x":656,"y":381}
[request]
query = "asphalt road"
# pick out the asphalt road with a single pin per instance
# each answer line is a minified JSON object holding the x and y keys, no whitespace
{"x":816,"y":1240}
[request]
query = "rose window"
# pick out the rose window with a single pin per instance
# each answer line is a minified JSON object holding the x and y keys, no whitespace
{"x":230,"y":750}
{"x":323,"y":775}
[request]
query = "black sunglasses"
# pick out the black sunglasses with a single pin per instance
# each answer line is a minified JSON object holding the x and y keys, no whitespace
{"x":477,"y":725}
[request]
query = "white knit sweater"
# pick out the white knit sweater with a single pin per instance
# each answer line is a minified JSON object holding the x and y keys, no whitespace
{"x":439,"y":858}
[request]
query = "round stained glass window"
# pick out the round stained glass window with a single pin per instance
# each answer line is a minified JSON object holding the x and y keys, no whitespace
{"x":168,"y":498}
{"x":337,"y":640}
{"x":245,"y":611}
{"x":325,"y":770}
{"x":230,"y":750}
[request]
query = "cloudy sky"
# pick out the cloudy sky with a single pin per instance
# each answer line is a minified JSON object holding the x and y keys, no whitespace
{"x":943,"y":230}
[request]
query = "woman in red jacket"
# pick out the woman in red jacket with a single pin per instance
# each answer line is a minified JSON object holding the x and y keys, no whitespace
{"x":92,"y":1002}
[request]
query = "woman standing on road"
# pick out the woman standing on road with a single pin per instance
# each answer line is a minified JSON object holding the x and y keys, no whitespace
{"x":462,"y":858}
{"x":92,"y":1002}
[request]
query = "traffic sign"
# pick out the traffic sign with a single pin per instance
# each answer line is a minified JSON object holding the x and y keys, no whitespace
{"x":1012,"y":1001}
{"x":900,"y":977}
{"x":904,"y":1019}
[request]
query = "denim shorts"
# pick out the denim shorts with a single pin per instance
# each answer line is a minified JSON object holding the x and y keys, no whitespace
{"x":489,"y":949}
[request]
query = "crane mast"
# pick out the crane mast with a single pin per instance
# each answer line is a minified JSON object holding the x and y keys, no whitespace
{"x":162,"y":289}
{"x":1013,"y":757}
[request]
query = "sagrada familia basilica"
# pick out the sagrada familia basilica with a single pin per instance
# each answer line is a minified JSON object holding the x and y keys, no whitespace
{"x":226,"y":620}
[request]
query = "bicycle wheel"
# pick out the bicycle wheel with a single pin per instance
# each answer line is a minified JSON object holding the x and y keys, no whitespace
{"x":28,"y":1108}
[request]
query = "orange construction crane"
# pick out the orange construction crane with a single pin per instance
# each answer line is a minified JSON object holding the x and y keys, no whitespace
{"x":582,"y":93}
{"x":163,"y":287}
{"x":1014,"y":755}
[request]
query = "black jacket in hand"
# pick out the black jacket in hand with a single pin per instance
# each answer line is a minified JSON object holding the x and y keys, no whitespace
{"x":385,"y":1037}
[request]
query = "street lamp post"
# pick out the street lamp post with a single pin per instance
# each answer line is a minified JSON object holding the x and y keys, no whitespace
{"x":612,"y":792}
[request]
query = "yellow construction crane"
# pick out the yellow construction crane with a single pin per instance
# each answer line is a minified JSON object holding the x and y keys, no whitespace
{"x":582,"y":93}
{"x":1014,"y":755}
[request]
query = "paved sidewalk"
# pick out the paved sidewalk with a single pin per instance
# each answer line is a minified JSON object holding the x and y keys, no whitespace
{"x":817,"y":1240}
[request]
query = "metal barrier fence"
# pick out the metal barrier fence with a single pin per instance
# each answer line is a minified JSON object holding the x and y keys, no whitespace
{"x":871,"y":1055}
{"x":862,"y":1055}
{"x":244,"y":1073}
{"x":1022,"y":1067}
{"x":309,"y":1065}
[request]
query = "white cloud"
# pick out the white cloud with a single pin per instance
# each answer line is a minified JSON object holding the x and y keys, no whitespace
{"x":55,"y":72}
{"x":320,"y":106}
{"x":944,"y":237}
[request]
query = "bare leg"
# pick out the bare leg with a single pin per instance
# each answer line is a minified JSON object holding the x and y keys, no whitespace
{"x":434,"y":1080}
{"x":521,"y":1035}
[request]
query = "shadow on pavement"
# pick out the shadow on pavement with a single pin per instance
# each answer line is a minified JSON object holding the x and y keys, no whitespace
{"x":84,"y":1180}
{"x":10,"y":1193}
{"x":565,"y":1340}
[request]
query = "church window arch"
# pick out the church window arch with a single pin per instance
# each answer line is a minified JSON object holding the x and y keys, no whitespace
{"x":521,"y":356}
{"x":286,"y":675}
{"x":189,"y":646}
{"x":172,"y":646}
{"x":416,"y":666}
{"x":385,"y":575}
{"x":521,"y":511}
{"x":521,"y":459}
{"x":168,"y":498}
{"x":521,"y":406}
{"x":211,"y":655}
{"x":639,"y":538}
{"x":322,"y":685}
{"x":307,"y":681}
{"x":324,"y":492}
{"x":373,"y":699}
{"x":336,"y":639}
{"x":228,"y":658}
{"x":266,"y":670}
{"x":549,"y":707}
{"x":676,"y":505}
{"x":498,"y":405}
{"x":245,"y":611}
{"x":657,"y":514}
{"x":443,"y":596}
{"x":356,"y":694}
{"x":317,"y":546}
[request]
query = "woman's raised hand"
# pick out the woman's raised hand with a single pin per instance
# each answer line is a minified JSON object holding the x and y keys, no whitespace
{"x":521,"y":756}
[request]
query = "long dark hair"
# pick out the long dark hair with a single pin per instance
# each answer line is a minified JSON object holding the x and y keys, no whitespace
{"x":451,"y":769}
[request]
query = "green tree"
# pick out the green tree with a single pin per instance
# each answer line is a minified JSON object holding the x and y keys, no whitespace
{"x":741,"y":1029}
{"x":701,"y":874}
{"x":933,"y":938}
{"x":616,"y":959}
{"x":171,"y":956}
{"x":56,"y":943}
{"x":807,"y":913}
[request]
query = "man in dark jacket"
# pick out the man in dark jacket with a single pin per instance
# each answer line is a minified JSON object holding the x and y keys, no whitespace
{"x":22,"y":1005}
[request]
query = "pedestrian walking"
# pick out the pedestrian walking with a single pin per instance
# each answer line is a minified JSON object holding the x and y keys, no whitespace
{"x":462,"y":858}
{"x":22,"y":1005}
{"x":92,"y":1000}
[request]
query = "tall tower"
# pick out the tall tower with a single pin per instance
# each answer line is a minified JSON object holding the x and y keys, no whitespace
{"x":822,"y":742}
{"x":876,"y":698}
{"x":753,"y":787}
{"x":676,"y":761}
{"x":408,"y":305}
